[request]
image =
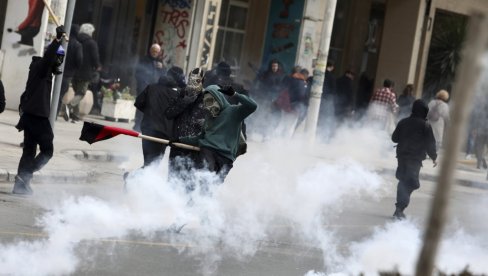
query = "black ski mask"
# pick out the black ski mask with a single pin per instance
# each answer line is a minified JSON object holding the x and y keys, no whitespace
{"x":58,"y":60}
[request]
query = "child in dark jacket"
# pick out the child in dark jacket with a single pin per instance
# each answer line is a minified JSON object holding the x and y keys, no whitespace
{"x":415,"y":139}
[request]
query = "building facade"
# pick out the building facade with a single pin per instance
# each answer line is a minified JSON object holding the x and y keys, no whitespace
{"x":376,"y":39}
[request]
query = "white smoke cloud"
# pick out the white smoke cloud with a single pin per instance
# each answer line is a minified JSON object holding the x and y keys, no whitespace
{"x":277,"y":182}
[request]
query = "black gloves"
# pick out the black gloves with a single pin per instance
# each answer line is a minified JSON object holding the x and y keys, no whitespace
{"x":227,"y":90}
{"x":60,"y":32}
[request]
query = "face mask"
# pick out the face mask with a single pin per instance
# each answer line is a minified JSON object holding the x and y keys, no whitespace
{"x":211,"y":105}
{"x":59,"y":60}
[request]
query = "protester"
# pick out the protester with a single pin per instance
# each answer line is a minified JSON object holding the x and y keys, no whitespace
{"x":383,"y":107}
{"x":153,"y":102}
{"x":292,"y":102}
{"x":35,"y":106}
{"x":405,"y":102}
{"x":188,"y":114}
{"x":480,"y":123}
{"x":269,"y":81}
{"x":343,"y":100}
{"x":73,"y":62}
{"x":438,"y":115}
{"x":148,"y":71}
{"x":89,"y":68}
{"x":326,"y":122}
{"x":2,"y":97}
{"x":219,"y":141}
{"x":415,"y":139}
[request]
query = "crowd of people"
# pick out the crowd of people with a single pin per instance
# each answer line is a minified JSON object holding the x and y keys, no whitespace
{"x":208,"y":110}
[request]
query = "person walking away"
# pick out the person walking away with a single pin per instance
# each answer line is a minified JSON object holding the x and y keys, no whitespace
{"x":2,"y":97}
{"x":35,"y":106}
{"x":383,"y":107}
{"x":88,"y":70}
{"x":481,"y":134}
{"x":343,"y":100}
{"x":326,"y":124}
{"x":415,"y":139}
{"x":73,"y":62}
{"x":438,"y":116}
{"x":153,"y":102}
{"x":149,"y":69}
{"x":405,"y":102}
{"x":219,"y":140}
{"x":188,"y":113}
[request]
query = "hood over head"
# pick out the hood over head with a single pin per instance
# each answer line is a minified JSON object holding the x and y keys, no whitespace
{"x":167,"y":81}
{"x":214,"y":90}
{"x":420,"y":109}
{"x":75,"y":30}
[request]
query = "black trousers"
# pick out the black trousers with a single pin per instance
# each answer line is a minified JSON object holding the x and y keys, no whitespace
{"x":37,"y":131}
{"x":152,"y":150}
{"x":182,"y":163}
{"x":408,"y":175}
{"x":214,"y":162}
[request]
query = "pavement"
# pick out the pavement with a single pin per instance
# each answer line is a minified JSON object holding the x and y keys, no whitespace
{"x":76,"y":161}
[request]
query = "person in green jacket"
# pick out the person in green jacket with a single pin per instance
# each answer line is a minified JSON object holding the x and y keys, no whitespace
{"x":219,"y":140}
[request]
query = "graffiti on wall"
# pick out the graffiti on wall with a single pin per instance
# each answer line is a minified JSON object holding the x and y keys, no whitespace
{"x":28,"y":28}
{"x":171,"y":30}
{"x":211,"y":18}
{"x":283,"y":32}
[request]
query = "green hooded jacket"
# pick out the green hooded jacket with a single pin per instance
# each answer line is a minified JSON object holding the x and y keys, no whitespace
{"x":222,"y":132}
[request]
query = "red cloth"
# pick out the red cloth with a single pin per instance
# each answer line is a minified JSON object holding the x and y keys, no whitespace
{"x":34,"y":15}
{"x":283,"y":101}
{"x":93,"y":132}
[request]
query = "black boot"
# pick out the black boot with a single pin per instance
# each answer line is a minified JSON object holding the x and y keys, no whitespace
{"x":21,"y":187}
{"x":399,"y":215}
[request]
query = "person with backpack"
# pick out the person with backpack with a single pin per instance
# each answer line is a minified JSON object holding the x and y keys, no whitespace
{"x":438,"y":116}
{"x":35,"y":107}
{"x":415,"y":139}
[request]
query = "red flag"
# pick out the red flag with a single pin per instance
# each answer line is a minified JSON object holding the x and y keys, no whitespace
{"x":93,"y":132}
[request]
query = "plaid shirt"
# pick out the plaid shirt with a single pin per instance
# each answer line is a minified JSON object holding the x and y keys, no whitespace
{"x":386,"y":97}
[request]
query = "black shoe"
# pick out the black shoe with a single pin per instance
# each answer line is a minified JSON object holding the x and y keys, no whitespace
{"x":399,"y":215}
{"x":21,"y":187}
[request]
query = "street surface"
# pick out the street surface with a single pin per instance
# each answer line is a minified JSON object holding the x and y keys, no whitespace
{"x":285,"y":209}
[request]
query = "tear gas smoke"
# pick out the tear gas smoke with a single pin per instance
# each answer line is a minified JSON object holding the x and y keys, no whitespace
{"x":276,"y":181}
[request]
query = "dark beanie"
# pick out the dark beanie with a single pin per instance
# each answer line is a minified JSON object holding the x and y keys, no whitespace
{"x":178,"y":75}
{"x":223,"y":69}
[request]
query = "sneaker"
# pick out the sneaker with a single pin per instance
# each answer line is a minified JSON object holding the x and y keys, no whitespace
{"x":399,"y":215}
{"x":21,"y":187}
{"x":66,"y":113}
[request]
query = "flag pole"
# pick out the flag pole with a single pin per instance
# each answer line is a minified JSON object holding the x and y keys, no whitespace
{"x":164,"y":141}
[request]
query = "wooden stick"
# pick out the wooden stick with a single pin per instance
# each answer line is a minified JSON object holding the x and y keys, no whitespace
{"x":164,"y":141}
{"x":55,"y":18}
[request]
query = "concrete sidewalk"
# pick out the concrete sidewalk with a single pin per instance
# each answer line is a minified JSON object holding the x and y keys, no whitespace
{"x":76,"y":161}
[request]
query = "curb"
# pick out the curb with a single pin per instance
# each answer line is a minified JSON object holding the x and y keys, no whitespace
{"x":50,"y":176}
{"x":94,"y":155}
{"x":430,"y":177}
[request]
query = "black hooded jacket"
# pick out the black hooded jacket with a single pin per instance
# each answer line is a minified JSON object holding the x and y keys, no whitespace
{"x":153,"y":102}
{"x":36,"y":100}
{"x":74,"y":56}
{"x":414,"y":135}
{"x":91,"y":58}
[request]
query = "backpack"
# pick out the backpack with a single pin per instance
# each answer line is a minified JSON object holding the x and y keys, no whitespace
{"x":434,"y":114}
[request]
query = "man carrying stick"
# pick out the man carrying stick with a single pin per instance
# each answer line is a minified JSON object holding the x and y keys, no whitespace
{"x":35,"y":106}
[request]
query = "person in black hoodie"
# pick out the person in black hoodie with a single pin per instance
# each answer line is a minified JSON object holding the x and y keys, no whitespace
{"x":35,"y":106}
{"x":153,"y":102}
{"x":74,"y":59}
{"x":415,"y":139}
{"x":188,"y":113}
